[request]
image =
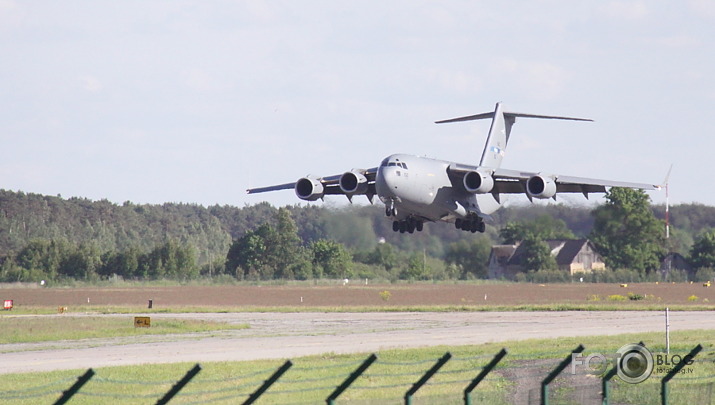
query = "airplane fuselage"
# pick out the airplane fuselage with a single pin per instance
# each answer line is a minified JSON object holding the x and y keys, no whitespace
{"x":421,"y":187}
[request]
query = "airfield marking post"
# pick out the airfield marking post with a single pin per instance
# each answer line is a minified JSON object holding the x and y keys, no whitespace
{"x":267,"y":384}
{"x":82,"y":380}
{"x":179,"y":385}
{"x":351,"y":378}
{"x":486,"y":370}
{"x":422,"y":381}
{"x":549,"y":378}
{"x":672,"y":373}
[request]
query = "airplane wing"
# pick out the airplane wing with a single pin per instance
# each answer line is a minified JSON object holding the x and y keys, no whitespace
{"x":514,"y":182}
{"x":311,"y":188}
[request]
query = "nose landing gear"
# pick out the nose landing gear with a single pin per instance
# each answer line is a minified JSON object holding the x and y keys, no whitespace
{"x":390,"y":209}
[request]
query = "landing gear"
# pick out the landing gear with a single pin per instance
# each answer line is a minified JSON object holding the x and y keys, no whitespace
{"x":471,"y":224}
{"x":390,"y":210}
{"x":408,"y":225}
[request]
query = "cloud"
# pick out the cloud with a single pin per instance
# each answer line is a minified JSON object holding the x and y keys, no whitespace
{"x":91,"y":84}
{"x":626,"y":10}
{"x":703,"y":8}
{"x":539,"y":79}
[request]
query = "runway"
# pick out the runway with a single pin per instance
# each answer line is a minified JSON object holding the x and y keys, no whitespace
{"x":291,"y":335}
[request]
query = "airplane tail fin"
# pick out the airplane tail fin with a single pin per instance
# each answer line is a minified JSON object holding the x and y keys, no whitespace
{"x":500,"y":130}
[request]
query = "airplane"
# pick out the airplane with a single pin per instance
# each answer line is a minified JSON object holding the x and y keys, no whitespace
{"x":418,"y":189}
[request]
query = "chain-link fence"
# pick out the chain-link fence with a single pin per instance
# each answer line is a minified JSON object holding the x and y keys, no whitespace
{"x":534,"y":379}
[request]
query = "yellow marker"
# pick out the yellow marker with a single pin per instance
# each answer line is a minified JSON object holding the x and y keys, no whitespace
{"x":142,"y":322}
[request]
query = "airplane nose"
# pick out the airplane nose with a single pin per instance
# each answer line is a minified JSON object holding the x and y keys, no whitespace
{"x":385,"y":182}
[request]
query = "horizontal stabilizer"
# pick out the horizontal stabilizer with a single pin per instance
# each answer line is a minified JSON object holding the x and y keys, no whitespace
{"x":509,"y":115}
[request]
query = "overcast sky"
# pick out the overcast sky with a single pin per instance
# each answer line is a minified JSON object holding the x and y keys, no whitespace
{"x":195,"y":101}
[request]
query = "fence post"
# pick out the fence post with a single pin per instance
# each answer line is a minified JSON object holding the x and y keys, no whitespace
{"x":672,"y":373}
{"x":549,"y":378}
{"x":179,"y":385}
{"x":426,"y":377}
{"x":267,"y":384}
{"x":352,"y":377}
{"x":66,"y":395}
{"x":607,"y":377}
{"x":486,"y":370}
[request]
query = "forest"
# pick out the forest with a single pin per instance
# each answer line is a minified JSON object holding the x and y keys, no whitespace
{"x":54,"y":239}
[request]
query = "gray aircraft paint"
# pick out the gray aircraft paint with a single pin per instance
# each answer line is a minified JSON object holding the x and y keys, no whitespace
{"x":417,"y":189}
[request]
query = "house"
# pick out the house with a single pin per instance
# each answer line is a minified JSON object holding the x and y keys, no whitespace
{"x":572,"y":255}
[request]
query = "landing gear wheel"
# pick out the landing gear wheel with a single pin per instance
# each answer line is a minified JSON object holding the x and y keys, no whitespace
{"x":482,"y":227}
{"x":419,"y":226}
{"x":458,"y":223}
{"x":395,"y":226}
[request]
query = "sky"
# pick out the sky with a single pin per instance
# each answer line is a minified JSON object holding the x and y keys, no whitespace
{"x":196,"y":101}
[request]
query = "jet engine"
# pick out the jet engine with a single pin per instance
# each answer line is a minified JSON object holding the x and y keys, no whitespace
{"x":541,"y":187}
{"x":477,"y":182}
{"x":309,"y":189}
{"x":352,"y":183}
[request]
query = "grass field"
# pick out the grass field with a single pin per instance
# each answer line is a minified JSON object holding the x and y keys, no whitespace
{"x":28,"y":329}
{"x":312,"y":379}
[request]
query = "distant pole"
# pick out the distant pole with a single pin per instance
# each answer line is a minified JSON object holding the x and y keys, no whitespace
{"x":424,"y":261}
{"x":667,"y":331}
{"x":667,"y":214}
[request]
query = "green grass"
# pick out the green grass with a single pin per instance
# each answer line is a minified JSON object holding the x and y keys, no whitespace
{"x":582,"y":306}
{"x":311,"y":379}
{"x":25,"y":329}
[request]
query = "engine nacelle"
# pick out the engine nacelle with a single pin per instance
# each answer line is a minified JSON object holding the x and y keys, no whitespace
{"x":477,"y":182}
{"x":309,"y":189}
{"x":352,"y":183}
{"x":541,"y":187}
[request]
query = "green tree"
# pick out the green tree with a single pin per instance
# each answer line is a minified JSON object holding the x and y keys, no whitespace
{"x":543,"y":227}
{"x":82,"y":263}
{"x":470,"y":257}
{"x":626,"y":232}
{"x":252,"y":253}
{"x":287,"y":251}
{"x":537,"y":254}
{"x":702,"y":254}
{"x":331,"y":259}
{"x":417,"y":268}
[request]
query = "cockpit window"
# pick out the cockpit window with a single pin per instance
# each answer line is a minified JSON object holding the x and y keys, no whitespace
{"x":397,"y":163}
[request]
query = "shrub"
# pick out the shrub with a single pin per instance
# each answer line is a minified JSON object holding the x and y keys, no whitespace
{"x":693,"y":298}
{"x":635,"y":297}
{"x":385,"y":295}
{"x":616,"y":297}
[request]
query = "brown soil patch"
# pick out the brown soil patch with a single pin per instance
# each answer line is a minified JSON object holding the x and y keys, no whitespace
{"x":361,"y":295}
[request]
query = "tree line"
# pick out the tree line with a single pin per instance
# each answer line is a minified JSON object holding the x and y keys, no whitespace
{"x":52,"y":238}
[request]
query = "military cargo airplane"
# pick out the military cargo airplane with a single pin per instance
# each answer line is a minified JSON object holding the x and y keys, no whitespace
{"x":417,"y":189}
